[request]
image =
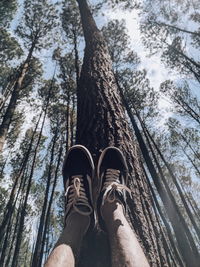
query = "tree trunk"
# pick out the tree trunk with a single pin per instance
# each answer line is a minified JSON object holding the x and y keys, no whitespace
{"x":72,"y":121}
{"x":9,"y":206}
{"x":38,"y":245}
{"x":7,"y":92}
{"x":191,"y":161}
{"x":196,"y":34}
{"x":167,"y":198}
{"x":23,"y":212}
{"x":101,"y":122}
{"x":174,"y":179}
{"x":49,"y":205}
{"x":13,"y":100}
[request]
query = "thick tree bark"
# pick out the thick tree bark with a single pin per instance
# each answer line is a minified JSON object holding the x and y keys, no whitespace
{"x":101,"y":122}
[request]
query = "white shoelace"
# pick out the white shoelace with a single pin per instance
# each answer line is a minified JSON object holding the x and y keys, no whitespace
{"x":113,"y":185}
{"x":75,"y":193}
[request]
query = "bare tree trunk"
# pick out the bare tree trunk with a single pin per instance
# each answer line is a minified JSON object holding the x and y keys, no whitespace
{"x":181,"y":230}
{"x":6,"y":94}
{"x":38,"y":244}
{"x":23,"y":212}
{"x":191,"y":161}
{"x":175,"y":28}
{"x":68,"y":121}
{"x":13,"y":100}
{"x":9,"y":206}
{"x":168,"y":229}
{"x":190,"y":215}
{"x":72,"y":121}
{"x":49,"y":205}
{"x":101,"y":122}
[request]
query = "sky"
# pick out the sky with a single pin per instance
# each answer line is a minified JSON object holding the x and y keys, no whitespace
{"x":156,"y":71}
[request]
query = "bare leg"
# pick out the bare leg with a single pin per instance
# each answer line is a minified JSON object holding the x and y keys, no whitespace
{"x":125,"y":248}
{"x":68,"y":245}
{"x":78,"y":172}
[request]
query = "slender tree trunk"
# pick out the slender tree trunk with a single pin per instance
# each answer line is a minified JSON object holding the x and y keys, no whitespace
{"x":192,"y":202}
{"x":167,"y":198}
{"x":49,"y":205}
{"x":190,"y":215}
{"x":190,"y":111}
{"x":191,"y":161}
{"x":101,"y":122}
{"x":17,"y":219}
{"x":23,"y":213}
{"x":7,"y":236}
{"x":13,"y":100}
{"x":176,"y":28}
{"x":192,"y":149}
{"x":38,"y":244}
{"x":6,"y":94}
{"x":76,"y":55}
{"x":68,"y":121}
{"x":9,"y":206}
{"x":72,"y":121}
{"x":10,"y":223}
{"x":179,"y":222}
{"x":168,"y":229}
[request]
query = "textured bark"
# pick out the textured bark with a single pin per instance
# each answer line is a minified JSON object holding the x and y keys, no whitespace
{"x":101,"y":122}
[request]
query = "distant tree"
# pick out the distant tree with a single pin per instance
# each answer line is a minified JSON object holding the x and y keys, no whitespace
{"x":184,"y":102}
{"x":39,"y":19}
{"x":162,"y":34}
{"x":73,"y":31}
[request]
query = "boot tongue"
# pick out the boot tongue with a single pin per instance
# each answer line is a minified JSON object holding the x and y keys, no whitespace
{"x":112,"y":175}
